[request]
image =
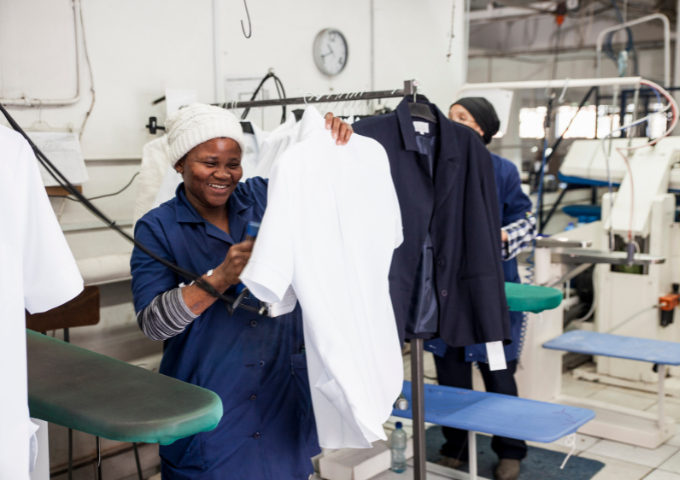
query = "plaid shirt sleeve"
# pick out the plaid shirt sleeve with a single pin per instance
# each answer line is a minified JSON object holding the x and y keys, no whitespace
{"x":520,"y":235}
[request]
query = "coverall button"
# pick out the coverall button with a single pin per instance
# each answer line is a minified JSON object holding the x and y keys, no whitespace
{"x":253,"y":397}
{"x":445,"y":293}
{"x":256,"y":435}
{"x":441,"y":262}
{"x":262,"y":363}
{"x":253,"y":323}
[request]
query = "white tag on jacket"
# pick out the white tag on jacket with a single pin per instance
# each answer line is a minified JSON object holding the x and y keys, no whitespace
{"x":496,"y":356}
{"x":421,"y":127}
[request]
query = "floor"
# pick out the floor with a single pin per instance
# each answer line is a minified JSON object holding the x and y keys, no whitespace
{"x":622,"y":461}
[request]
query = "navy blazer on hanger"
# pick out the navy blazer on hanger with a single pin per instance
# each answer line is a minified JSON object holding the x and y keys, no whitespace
{"x":458,"y":207}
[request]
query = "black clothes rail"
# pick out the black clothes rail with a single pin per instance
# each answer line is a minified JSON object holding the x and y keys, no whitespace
{"x":330,"y":98}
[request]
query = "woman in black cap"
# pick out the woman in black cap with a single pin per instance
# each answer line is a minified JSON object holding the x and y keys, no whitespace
{"x":518,"y":230}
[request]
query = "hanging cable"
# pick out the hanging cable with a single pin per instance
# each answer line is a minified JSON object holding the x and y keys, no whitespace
{"x":89,"y":69}
{"x":279,"y":90}
{"x":672,"y":105}
{"x":72,"y":190}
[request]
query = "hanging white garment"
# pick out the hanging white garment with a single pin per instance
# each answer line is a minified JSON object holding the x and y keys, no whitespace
{"x":37,"y":273}
{"x":331,"y":226}
{"x":155,"y":161}
{"x":251,"y":156}
{"x":279,"y":140}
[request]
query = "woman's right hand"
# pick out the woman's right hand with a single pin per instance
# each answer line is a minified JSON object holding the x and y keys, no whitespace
{"x":234,"y":263}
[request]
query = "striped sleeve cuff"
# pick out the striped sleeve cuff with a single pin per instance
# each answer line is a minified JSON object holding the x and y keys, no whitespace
{"x":166,"y":316}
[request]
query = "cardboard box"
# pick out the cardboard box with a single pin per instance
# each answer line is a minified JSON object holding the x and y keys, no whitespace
{"x":359,"y":463}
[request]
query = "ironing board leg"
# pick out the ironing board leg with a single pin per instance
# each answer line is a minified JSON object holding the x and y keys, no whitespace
{"x":67,"y":339}
{"x":139,"y":465}
{"x":99,"y":459}
{"x":662,"y":395}
{"x":418,"y":409}
{"x":472,"y":454}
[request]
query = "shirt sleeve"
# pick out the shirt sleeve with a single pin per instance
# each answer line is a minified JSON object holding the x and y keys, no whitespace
{"x":520,"y":235}
{"x":51,"y":276}
{"x":150,"y":278}
{"x":269,"y":272}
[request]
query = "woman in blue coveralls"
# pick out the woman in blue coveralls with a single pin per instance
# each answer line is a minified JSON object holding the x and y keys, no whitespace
{"x":518,"y":229}
{"x":254,"y":363}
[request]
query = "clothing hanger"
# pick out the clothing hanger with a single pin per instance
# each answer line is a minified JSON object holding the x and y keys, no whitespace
{"x":247,"y":127}
{"x":421,"y":110}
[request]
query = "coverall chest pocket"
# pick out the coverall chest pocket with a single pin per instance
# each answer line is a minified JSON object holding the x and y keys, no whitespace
{"x":298,"y":365}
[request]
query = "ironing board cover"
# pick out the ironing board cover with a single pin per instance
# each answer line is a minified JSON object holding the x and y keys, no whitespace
{"x":102,"y":396}
{"x":531,"y":298}
{"x":497,"y":414}
{"x":609,"y":345}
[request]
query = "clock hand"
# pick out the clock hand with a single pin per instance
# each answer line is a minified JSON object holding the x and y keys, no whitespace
{"x":326,"y":54}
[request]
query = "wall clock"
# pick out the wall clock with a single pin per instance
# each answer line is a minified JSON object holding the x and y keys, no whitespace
{"x":330,"y":51}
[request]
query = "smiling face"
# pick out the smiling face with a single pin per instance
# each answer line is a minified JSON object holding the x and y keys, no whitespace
{"x":460,"y":114}
{"x":211,"y":172}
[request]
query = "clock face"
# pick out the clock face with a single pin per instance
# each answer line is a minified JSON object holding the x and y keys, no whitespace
{"x":330,"y":51}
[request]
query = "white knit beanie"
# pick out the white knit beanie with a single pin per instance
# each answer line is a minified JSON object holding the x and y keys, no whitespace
{"x":198,"y":123}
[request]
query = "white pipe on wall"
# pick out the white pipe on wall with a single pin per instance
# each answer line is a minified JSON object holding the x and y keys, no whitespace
{"x":666,"y":43}
{"x":105,"y":269}
{"x":38,"y":102}
{"x":568,"y":82}
{"x":217,"y":64}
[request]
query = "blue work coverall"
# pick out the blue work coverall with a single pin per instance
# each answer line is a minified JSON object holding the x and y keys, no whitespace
{"x":254,"y":363}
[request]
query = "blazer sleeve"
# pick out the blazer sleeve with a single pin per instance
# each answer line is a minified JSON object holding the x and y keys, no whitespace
{"x":489,"y":221}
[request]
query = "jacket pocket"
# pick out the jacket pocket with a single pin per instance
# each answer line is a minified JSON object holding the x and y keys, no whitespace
{"x":298,"y":364}
{"x":184,"y":453}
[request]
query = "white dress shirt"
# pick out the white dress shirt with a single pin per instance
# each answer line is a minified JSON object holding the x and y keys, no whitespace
{"x":331,"y":226}
{"x":37,"y":273}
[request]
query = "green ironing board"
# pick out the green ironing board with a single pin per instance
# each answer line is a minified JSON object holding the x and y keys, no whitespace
{"x":531,"y":298}
{"x":96,"y":394}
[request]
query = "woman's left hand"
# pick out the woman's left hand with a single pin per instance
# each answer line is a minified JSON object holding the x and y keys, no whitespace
{"x":340,"y":130}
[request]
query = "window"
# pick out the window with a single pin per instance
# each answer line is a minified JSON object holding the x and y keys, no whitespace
{"x":583,"y":125}
{"x":608,"y":119}
{"x":658,"y":124}
{"x":531,"y":122}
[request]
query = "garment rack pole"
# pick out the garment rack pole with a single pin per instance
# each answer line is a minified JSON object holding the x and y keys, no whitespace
{"x":418,"y":409}
{"x":311,"y":98}
{"x":417,"y":370}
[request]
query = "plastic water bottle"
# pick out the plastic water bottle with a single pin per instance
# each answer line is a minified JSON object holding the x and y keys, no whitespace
{"x":398,"y":449}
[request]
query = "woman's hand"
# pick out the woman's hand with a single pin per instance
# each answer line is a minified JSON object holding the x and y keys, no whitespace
{"x":223,"y":277}
{"x":229,"y":271}
{"x":504,"y":236}
{"x":340,"y":130}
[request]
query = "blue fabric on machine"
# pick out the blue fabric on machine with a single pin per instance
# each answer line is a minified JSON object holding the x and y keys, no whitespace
{"x":253,"y":363}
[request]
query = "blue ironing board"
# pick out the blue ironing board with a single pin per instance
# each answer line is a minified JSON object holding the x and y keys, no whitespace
{"x":497,"y":414}
{"x":608,"y":345}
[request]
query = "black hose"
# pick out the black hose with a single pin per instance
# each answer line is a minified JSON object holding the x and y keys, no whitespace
{"x":66,"y":185}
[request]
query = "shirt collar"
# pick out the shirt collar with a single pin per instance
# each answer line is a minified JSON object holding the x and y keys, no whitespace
{"x":186,"y":212}
{"x":312,"y":122}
